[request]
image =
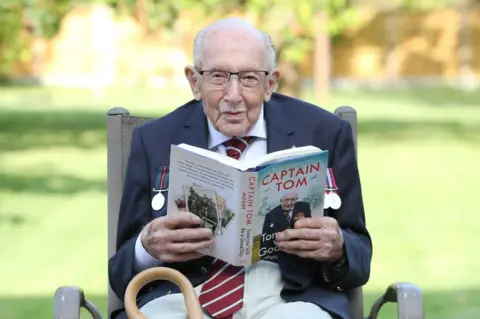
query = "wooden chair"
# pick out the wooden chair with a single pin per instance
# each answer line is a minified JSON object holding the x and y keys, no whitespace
{"x":69,"y":299}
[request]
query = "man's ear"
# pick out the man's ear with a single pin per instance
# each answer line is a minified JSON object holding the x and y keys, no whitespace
{"x":193,"y":80}
{"x":271,"y":84}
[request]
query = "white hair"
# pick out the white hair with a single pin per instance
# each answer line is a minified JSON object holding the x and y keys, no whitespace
{"x":237,"y":22}
{"x":292,"y":193}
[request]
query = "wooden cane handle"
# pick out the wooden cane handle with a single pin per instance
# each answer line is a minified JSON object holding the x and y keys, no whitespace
{"x":192,"y":304}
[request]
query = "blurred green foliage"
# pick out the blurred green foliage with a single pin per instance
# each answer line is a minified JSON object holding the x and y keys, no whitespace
{"x":23,"y":20}
{"x":291,"y":23}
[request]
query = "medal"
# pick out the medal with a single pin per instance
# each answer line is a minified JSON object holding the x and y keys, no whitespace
{"x":158,"y":201}
{"x":335,"y":201}
{"x":332,"y":200}
{"x":326,"y":201}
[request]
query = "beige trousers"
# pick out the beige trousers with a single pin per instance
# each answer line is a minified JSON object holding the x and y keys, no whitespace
{"x":261,"y":299}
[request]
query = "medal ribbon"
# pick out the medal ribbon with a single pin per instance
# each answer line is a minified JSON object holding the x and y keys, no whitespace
{"x":328,"y":189}
{"x":332,"y":183}
{"x":162,"y":179}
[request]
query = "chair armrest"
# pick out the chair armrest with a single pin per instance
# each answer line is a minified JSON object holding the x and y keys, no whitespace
{"x":408,"y":298}
{"x":68,"y":301}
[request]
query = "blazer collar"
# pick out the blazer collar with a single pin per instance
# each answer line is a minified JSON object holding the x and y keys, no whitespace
{"x":194,"y":130}
{"x":279,"y":131}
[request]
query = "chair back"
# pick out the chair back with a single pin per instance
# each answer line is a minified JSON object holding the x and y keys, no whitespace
{"x":120,"y":125}
{"x":355,"y":296}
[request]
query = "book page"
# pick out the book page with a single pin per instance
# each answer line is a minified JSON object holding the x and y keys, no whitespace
{"x":260,"y":161}
{"x":200,"y":186}
{"x":287,"y":192}
{"x":280,"y":156}
{"x":211,"y":155}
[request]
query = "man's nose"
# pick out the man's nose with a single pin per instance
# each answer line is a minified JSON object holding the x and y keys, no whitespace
{"x":233,"y":89}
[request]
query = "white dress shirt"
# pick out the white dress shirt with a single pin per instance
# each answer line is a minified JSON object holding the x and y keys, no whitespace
{"x":257,"y":148}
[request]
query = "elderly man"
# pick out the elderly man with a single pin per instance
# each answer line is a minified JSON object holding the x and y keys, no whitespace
{"x":236,"y":112}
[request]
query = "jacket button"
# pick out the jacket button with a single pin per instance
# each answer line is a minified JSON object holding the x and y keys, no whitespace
{"x":203,"y":271}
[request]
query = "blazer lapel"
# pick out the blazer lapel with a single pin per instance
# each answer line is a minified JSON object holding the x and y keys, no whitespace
{"x":279,"y":132}
{"x":194,"y":130}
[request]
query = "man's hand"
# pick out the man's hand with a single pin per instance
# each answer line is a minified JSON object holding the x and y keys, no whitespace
{"x":169,"y":238}
{"x":317,"y":238}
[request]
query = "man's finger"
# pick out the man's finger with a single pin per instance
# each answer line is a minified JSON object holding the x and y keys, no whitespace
{"x":300,"y":244}
{"x":304,"y":233}
{"x":316,"y":222}
{"x":187,"y":247}
{"x":180,"y":220}
{"x":187,"y":234}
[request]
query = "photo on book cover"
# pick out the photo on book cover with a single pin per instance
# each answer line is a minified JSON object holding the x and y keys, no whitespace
{"x":225,"y":214}
{"x":221,"y":207}
{"x":203,"y":203}
{"x":287,"y":192}
{"x":227,"y":217}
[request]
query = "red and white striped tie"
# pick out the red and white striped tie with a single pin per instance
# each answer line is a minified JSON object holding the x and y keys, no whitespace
{"x":222,"y":293}
{"x":235,"y":146}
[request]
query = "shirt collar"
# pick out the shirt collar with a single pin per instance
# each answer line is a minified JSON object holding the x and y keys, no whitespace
{"x":216,"y":137}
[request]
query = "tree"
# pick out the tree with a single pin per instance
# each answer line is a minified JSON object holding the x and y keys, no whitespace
{"x":23,"y":21}
{"x":296,"y":27}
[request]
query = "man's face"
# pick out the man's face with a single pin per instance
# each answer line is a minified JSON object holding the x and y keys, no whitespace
{"x":233,"y":108}
{"x":288,"y":202}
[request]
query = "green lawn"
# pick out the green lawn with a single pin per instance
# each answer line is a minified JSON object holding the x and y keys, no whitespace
{"x":418,"y":156}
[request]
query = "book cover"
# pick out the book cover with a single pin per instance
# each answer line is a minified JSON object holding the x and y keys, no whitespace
{"x":286,"y":192}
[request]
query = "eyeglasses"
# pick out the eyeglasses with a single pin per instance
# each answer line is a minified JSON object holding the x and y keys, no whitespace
{"x":219,"y":79}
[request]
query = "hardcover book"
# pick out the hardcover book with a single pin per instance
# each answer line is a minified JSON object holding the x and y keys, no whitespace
{"x":246,"y":203}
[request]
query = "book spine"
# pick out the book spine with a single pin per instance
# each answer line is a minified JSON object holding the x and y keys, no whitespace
{"x":248,"y":194}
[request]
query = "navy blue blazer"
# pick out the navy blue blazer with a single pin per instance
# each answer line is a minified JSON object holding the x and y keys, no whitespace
{"x":289,"y":122}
